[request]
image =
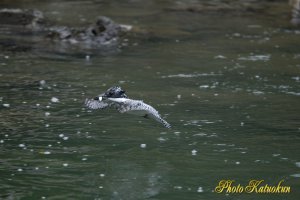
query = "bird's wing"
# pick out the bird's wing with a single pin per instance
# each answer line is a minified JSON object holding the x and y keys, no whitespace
{"x":158,"y":118}
{"x":153,"y":113}
{"x":95,"y":104}
{"x":140,"y":108}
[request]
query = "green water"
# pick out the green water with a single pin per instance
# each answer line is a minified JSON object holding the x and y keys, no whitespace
{"x":227,"y":83}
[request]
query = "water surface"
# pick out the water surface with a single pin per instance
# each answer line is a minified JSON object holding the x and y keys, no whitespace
{"x":228,"y":83}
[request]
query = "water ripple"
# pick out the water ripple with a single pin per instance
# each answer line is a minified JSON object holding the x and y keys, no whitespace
{"x":191,"y":75}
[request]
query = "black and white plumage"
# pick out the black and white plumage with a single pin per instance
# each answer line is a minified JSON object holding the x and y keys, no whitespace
{"x":115,"y":97}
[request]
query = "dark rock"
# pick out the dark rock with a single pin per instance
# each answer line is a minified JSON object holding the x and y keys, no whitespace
{"x":32,"y":19}
{"x":103,"y":32}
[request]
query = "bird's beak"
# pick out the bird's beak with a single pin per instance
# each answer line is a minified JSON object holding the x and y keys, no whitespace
{"x":123,"y":93}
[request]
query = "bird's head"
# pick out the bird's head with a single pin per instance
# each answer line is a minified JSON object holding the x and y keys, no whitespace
{"x":113,"y":92}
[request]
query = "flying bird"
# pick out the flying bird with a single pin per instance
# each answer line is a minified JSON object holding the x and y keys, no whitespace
{"x":116,"y":98}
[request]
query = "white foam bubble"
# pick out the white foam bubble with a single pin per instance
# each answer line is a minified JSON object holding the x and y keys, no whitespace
{"x":194,"y":152}
{"x":256,"y":58}
{"x":295,"y":175}
{"x":200,"y":189}
{"x":220,"y":57}
{"x":54,"y":100}
{"x":204,"y":86}
{"x":42,"y":82}
{"x":191,"y":75}
{"x":47,"y":114}
{"x":6,"y":105}
{"x":178,"y":187}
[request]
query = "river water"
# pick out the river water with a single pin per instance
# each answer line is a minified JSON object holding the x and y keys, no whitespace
{"x":228,"y":83}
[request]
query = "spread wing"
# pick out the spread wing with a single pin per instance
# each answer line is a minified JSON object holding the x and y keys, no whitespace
{"x":158,"y":118}
{"x":140,"y":108}
{"x":95,"y":104}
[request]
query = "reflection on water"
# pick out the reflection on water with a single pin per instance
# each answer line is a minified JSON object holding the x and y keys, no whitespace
{"x":229,"y":86}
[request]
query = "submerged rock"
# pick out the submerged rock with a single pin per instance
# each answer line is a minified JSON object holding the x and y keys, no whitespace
{"x":104,"y":32}
{"x":32,"y":19}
